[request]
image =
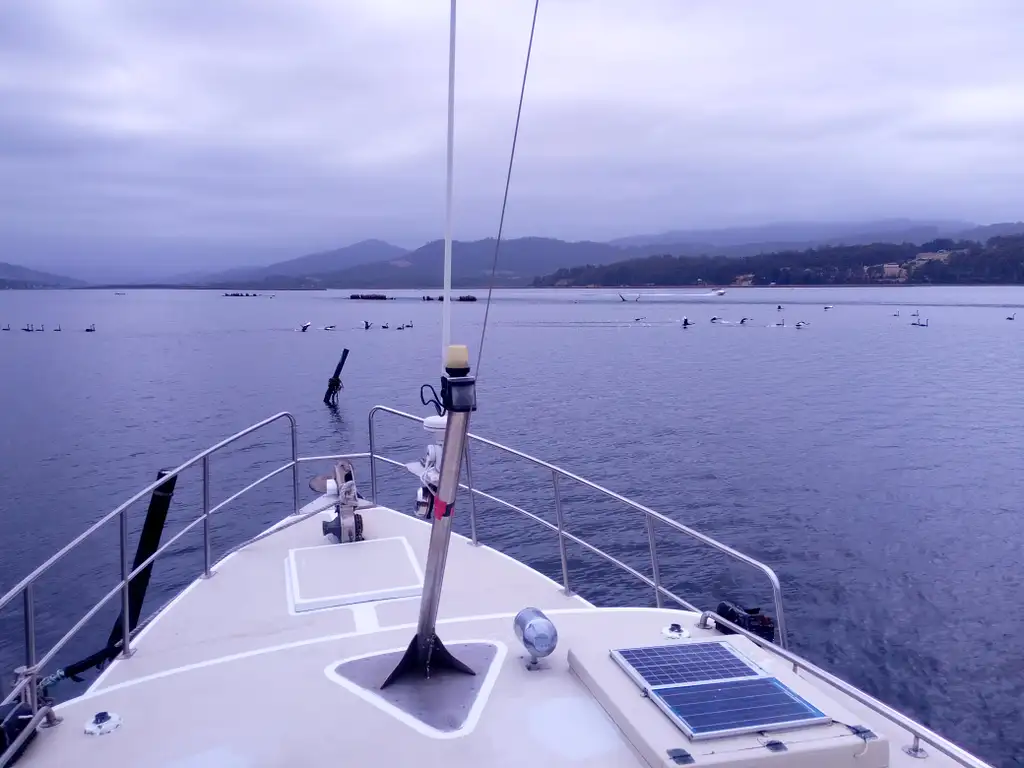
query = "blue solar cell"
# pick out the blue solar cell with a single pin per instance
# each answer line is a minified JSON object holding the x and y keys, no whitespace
{"x":687,"y":663}
{"x":730,"y":707}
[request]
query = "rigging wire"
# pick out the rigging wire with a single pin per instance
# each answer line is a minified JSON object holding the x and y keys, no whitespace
{"x":508,"y":182}
{"x":446,"y":310}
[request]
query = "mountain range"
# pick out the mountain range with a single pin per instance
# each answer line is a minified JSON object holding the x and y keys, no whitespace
{"x":519,"y":260}
{"x":783,"y":233}
{"x":14,"y":276}
{"x":375,"y":264}
{"x":378,"y":264}
{"x":323,"y":262}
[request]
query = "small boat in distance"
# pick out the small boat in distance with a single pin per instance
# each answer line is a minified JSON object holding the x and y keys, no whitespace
{"x":7,"y":327}
{"x":91,"y":328}
{"x":57,"y":328}
{"x":28,"y":328}
{"x":920,"y":324}
{"x":329,"y":327}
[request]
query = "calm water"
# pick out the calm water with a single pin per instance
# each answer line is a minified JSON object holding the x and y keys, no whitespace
{"x":873,"y":464}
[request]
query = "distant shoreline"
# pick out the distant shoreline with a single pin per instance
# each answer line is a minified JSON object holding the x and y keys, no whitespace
{"x":163,"y":287}
{"x":437,"y":289}
{"x":764,"y":287}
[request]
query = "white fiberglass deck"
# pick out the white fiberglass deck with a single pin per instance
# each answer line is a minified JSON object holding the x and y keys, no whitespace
{"x":232,"y":675}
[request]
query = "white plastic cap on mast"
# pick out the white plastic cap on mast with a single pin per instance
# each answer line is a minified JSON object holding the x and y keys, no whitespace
{"x":434,"y":425}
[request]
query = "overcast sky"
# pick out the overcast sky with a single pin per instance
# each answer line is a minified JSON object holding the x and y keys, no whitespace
{"x":165,"y":135}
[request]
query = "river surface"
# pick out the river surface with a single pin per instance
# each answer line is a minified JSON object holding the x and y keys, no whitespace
{"x":874,"y":464}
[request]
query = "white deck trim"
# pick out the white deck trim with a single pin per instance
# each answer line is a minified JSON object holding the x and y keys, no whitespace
{"x":91,"y":693}
{"x":472,"y":718}
{"x":365,"y":617}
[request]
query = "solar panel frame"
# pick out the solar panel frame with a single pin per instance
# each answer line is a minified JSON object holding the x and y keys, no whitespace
{"x":801,"y":712}
{"x":652,"y":667}
{"x":701,"y":676}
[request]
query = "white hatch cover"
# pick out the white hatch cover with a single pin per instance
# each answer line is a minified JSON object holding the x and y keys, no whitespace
{"x":333,"y":575}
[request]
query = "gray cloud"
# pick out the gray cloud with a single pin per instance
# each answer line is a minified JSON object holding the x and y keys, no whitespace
{"x":166,"y":135}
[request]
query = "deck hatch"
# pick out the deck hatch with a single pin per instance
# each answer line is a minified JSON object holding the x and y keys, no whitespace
{"x":333,"y":575}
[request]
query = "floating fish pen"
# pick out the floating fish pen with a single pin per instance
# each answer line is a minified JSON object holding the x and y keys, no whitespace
{"x":243,"y":295}
{"x":457,"y":298}
{"x":368,"y":297}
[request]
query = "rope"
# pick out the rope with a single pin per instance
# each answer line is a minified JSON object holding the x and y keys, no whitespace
{"x":508,"y":182}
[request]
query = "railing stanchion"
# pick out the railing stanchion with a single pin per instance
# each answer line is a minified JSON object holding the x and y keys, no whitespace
{"x":373,"y":460}
{"x":126,"y":619}
{"x":780,"y":616}
{"x":656,"y":571}
{"x":30,"y":646}
{"x":915,"y":750}
{"x":206,"y":518}
{"x":30,"y":626}
{"x":295,"y":463}
{"x":472,"y":498}
{"x":561,"y":530}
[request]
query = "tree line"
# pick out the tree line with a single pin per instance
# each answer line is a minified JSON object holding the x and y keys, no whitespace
{"x":999,"y":260}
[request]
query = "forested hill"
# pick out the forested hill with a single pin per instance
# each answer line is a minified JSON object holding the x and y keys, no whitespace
{"x":999,"y":260}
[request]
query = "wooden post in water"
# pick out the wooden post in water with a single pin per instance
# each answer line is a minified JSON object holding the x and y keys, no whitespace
{"x":334,"y":385}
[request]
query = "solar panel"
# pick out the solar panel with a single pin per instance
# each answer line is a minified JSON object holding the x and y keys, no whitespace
{"x":687,"y":663}
{"x":732,"y":707}
{"x":710,"y":690}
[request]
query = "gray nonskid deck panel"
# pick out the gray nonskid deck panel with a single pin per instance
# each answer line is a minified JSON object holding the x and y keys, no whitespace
{"x":443,"y":701}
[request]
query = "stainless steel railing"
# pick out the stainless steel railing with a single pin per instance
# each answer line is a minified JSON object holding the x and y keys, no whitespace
{"x":651,"y":517}
{"x":29,"y":673}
